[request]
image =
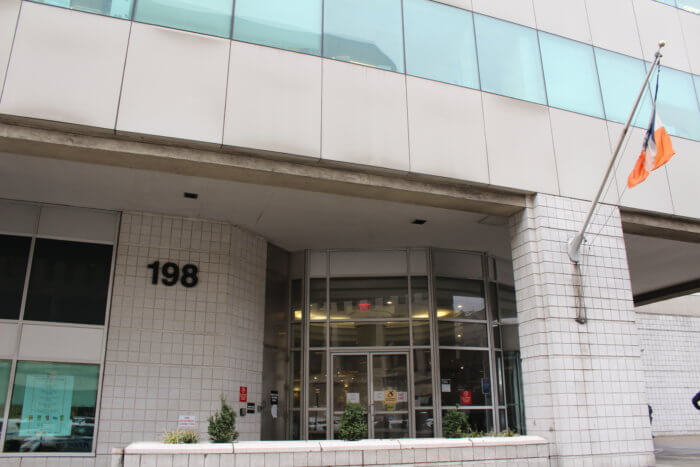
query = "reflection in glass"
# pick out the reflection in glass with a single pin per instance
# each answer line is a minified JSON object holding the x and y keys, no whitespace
{"x":366,"y":32}
{"x":424,"y":423}
{"x":296,"y":379}
{"x":693,"y":6}
{"x":205,"y":16}
{"x":68,"y":282}
{"x":440,"y":43}
{"x":466,"y":374}
{"x":296,"y":335}
{"x":675,"y":106}
{"x":280,"y":23}
{"x":422,"y":378}
{"x":457,"y":333}
{"x":4,"y":382}
{"x":317,"y":379}
{"x":349,"y":381}
{"x":115,"y":8}
{"x":317,"y":424}
{"x":509,"y":59}
{"x":317,"y":299}
{"x":14,"y":256}
{"x":390,"y":379}
{"x":52,"y":408}
{"x":419,"y":298}
{"x":391,"y":426}
{"x":369,"y":298}
{"x":460,"y":298}
{"x":317,"y":334}
{"x":296,"y":424}
{"x":295,"y":300}
{"x":514,"y":395}
{"x":570,"y":75}
{"x":479,"y":420}
{"x":369,"y":334}
{"x":421,"y":332}
{"x":507,"y":308}
{"x":616,"y":72}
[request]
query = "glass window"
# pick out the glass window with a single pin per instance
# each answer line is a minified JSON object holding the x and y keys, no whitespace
{"x":368,"y":334}
{"x":419,"y":298}
{"x":696,"y":78}
{"x":295,"y":300}
{"x":317,"y":379}
{"x":116,"y":8}
{"x":457,"y":333}
{"x":675,"y":105}
{"x":509,"y":59}
{"x":296,"y":335}
{"x":317,"y":299}
{"x":460,"y":298}
{"x":68,"y":282}
{"x":317,"y":424}
{"x":4,"y":382}
{"x":507,"y":308}
{"x":422,"y":378}
{"x":296,"y":378}
{"x":668,"y":2}
{"x":464,"y":377}
{"x":692,"y":6}
{"x":570,"y":75}
{"x":479,"y":420}
{"x":14,"y":255}
{"x":205,"y":16}
{"x":424,"y":424}
{"x":365,"y":298}
{"x":421,"y":332}
{"x":367,"y":32}
{"x":620,"y":79}
{"x":317,"y":334}
{"x":280,"y":23}
{"x":52,"y":407}
{"x":440,"y":43}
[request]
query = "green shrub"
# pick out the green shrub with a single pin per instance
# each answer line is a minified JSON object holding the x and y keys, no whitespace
{"x":181,"y":437}
{"x":222,"y":425}
{"x":455,"y":424}
{"x":353,"y":423}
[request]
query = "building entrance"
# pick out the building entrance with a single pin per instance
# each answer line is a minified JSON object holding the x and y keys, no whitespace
{"x":378,"y":382}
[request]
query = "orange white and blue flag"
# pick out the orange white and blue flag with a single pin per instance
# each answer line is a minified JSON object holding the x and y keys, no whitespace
{"x":656,"y":150}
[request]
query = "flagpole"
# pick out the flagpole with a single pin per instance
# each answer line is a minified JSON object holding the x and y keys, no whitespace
{"x":574,"y":248}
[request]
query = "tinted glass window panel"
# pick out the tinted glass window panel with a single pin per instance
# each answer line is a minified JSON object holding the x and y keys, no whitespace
{"x":280,"y":23}
{"x":570,"y":75}
{"x":317,"y":299}
{"x":620,"y":79}
{"x":421,"y":332}
{"x":693,"y":6}
{"x":440,"y":43}
{"x":317,"y":379}
{"x":509,"y":59}
{"x":422,"y":378}
{"x":419,"y":298}
{"x":696,"y":78}
{"x":367,"y":32}
{"x":68,"y":282}
{"x":116,"y":8}
{"x":317,"y":334}
{"x":368,"y":334}
{"x":668,"y":2}
{"x":14,"y":256}
{"x":424,"y":424}
{"x":479,"y":420}
{"x":460,"y":298}
{"x":675,"y":106}
{"x":456,"y":333}
{"x":466,"y":374}
{"x":296,"y":378}
{"x":317,"y":424}
{"x":63,"y":422}
{"x":369,"y":298}
{"x":4,"y":382}
{"x":206,"y":16}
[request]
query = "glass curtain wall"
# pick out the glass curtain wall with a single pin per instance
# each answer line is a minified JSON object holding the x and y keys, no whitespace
{"x":392,"y":329}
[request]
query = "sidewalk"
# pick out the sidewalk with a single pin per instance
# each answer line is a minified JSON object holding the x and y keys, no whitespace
{"x":677,"y":450}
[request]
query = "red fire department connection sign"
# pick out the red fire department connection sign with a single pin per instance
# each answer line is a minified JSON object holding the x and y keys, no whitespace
{"x":243,"y":394}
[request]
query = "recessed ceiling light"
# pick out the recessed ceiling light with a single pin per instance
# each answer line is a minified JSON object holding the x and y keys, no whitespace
{"x":419,"y":221}
{"x":191,"y":195}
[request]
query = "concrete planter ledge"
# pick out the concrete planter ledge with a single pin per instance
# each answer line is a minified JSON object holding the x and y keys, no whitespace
{"x":519,"y":450}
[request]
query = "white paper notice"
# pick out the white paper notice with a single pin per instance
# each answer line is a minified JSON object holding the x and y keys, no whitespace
{"x":353,"y":398}
{"x":446,"y":387}
{"x":47,"y":405}
{"x":187,"y":422}
{"x":273,"y":410}
{"x":402,"y":396}
{"x":379,"y":396}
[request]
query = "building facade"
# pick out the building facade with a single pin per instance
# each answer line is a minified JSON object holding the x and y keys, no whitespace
{"x":297,"y":205}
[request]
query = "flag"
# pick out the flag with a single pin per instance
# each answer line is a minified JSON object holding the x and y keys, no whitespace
{"x":656,"y":150}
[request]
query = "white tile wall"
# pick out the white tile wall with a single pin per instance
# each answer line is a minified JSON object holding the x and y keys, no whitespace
{"x":173,"y":350}
{"x":672,"y":371}
{"x":583,"y":384}
{"x":9,"y":11}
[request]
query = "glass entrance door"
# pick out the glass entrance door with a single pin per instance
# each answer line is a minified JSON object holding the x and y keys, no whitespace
{"x":378,"y":382}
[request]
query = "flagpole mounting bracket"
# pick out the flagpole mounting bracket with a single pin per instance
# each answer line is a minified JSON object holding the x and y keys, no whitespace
{"x":574,"y":247}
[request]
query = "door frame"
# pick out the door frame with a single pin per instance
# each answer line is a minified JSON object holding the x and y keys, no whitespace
{"x":369,"y":354}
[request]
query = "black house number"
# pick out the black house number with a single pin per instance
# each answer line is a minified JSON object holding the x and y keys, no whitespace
{"x":172,"y":273}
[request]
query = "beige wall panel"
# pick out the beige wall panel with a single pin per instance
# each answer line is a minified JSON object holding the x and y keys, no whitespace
{"x":60,"y":343}
{"x":273,"y":100}
{"x":567,"y":18}
{"x":614,"y":26}
{"x":518,"y":11}
{"x":691,"y":31}
{"x":8,"y":340}
{"x":364,"y":116}
{"x":18,"y":218}
{"x":9,"y":10}
{"x":66,"y":66}
{"x":80,"y":224}
{"x":446,"y":129}
{"x":657,"y":21}
{"x":683,"y":170}
{"x":174,"y":84}
{"x":582,"y":149}
{"x":651,"y":195}
{"x":519,"y":143}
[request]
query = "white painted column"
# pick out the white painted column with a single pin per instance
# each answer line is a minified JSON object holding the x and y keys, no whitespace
{"x":583,"y":383}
